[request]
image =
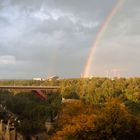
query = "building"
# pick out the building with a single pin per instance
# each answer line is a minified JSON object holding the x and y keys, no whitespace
{"x":53,"y":78}
{"x":8,"y":132}
{"x":38,"y":79}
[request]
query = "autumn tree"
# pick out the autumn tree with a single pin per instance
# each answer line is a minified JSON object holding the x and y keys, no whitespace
{"x":115,"y":122}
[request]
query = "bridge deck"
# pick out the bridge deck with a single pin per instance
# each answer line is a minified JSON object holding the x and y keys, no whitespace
{"x":31,"y":87}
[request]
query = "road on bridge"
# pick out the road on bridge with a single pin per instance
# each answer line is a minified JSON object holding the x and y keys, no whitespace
{"x":38,"y":89}
{"x":31,"y":87}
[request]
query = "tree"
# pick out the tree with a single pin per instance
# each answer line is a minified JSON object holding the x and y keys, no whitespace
{"x":115,"y":122}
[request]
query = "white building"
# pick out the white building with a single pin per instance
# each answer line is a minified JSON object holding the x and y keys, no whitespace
{"x":53,"y":78}
{"x":38,"y":79}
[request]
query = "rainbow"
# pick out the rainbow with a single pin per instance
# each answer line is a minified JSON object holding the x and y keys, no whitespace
{"x":99,"y":35}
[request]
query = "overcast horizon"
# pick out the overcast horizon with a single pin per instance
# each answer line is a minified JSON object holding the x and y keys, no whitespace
{"x":41,"y":38}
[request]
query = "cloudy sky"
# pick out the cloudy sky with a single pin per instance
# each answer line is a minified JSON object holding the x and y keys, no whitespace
{"x":40,"y":38}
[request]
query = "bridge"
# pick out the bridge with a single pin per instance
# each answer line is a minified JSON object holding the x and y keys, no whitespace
{"x":38,"y":89}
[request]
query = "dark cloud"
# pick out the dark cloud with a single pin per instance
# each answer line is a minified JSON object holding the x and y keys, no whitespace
{"x":46,"y":37}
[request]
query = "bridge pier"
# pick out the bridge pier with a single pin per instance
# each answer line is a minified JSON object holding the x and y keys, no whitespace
{"x":40,"y":93}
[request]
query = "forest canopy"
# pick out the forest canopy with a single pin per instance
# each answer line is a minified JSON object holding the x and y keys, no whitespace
{"x":92,"y":109}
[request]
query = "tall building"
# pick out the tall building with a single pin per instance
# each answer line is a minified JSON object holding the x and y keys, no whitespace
{"x":7,"y":131}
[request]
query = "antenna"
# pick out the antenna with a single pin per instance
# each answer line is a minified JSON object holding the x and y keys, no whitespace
{"x":117,"y":72}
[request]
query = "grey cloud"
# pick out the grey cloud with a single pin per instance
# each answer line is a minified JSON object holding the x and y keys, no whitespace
{"x":119,"y":47}
{"x":54,"y":36}
{"x":3,"y":21}
{"x":89,"y":10}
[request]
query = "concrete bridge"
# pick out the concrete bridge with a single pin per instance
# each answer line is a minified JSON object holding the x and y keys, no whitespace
{"x":38,"y":89}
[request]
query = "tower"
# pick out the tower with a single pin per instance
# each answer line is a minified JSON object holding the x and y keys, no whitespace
{"x":1,"y":127}
{"x":7,"y":132}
